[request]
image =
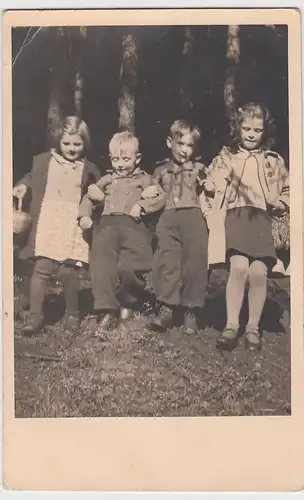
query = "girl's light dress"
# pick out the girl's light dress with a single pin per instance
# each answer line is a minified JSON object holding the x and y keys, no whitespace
{"x":58,"y":235}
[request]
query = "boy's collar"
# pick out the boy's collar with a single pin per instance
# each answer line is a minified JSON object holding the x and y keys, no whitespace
{"x":174,"y":167}
{"x":114,"y":174}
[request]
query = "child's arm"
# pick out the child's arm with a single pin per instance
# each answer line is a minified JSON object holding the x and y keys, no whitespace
{"x":23,"y":184}
{"x":87,"y":204}
{"x":284,"y":197}
{"x":152,"y":200}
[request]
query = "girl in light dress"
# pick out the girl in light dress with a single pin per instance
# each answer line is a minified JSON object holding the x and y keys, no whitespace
{"x":57,"y":181}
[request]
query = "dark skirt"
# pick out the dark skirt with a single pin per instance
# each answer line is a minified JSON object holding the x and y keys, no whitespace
{"x":248,"y":232}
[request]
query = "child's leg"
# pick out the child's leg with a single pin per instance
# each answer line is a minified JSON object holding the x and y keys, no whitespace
{"x":43,"y":270}
{"x":69,"y":278}
{"x":166,"y":268}
{"x":103,"y":267}
{"x":194,"y":236}
{"x":235,"y":290}
{"x":39,"y":283}
{"x":135,"y":260}
{"x":257,"y":293}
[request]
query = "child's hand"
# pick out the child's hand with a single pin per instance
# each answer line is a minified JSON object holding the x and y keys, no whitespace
{"x":135,"y":212}
{"x":85,"y":222}
{"x":19,"y":191}
{"x":206,"y":184}
{"x":278,"y":208}
{"x":95,"y":193}
{"x":150,"y":192}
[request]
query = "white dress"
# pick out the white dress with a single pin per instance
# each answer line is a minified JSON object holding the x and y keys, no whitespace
{"x":58,"y":235}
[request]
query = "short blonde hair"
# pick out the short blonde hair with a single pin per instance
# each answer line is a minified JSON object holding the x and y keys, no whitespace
{"x":123,"y":140}
{"x":73,"y":125}
{"x":181,"y":127}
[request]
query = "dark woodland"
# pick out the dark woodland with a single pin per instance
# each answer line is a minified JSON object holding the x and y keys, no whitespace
{"x":198,"y":72}
{"x":140,"y":79}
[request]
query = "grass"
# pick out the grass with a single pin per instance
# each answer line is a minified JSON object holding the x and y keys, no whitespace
{"x":134,"y":372}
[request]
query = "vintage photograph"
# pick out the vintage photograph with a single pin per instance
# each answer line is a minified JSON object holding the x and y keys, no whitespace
{"x":151,"y":222}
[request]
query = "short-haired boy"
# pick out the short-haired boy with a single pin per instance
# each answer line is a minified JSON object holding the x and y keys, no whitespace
{"x":121,"y":250}
{"x":180,"y":265}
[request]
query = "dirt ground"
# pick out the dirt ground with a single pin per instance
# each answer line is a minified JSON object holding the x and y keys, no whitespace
{"x":134,"y":372}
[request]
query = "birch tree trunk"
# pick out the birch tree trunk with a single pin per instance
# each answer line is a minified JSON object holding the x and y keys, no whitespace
{"x":233,"y":58}
{"x":186,"y":98}
{"x":78,"y":90}
{"x":58,"y":85}
{"x":128,"y":81}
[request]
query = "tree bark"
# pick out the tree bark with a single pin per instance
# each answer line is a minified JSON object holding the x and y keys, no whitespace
{"x":128,"y":81}
{"x":233,"y":58}
{"x":186,"y":98}
{"x":58,"y":85}
{"x":78,"y":90}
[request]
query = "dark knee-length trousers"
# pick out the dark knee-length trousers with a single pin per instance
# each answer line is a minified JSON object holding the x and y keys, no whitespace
{"x":121,"y":256}
{"x":180,"y":263}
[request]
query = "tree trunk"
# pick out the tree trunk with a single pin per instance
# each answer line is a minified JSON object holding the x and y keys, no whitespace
{"x":233,"y":58}
{"x":128,"y":80}
{"x":58,"y":85}
{"x":78,"y":90}
{"x":186,"y":98}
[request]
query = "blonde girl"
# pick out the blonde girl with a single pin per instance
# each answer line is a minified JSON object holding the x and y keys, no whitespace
{"x":57,"y":181}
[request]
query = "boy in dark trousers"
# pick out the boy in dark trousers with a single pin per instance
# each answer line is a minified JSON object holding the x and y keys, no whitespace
{"x":121,"y":250}
{"x":180,"y":265}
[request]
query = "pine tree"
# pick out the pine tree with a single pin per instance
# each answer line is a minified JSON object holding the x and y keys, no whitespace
{"x":233,"y":58}
{"x":128,"y":81}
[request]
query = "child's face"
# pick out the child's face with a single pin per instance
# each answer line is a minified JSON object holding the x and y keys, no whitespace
{"x":182,"y":147}
{"x":71,"y":146}
{"x":252,"y":129}
{"x":124,"y":159}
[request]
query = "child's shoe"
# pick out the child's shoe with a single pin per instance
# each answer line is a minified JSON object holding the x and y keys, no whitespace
{"x":71,"y":322}
{"x":163,"y":321}
{"x":108,"y":322}
{"x":126,"y":314}
{"x":34,"y":325}
{"x":190,"y":322}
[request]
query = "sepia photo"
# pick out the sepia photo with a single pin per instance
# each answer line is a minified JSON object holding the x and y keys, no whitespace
{"x":152,"y":237}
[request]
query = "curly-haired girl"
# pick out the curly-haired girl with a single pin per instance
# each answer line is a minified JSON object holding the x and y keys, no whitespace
{"x":251,"y":184}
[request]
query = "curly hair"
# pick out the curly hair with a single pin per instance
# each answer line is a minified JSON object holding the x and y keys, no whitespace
{"x":73,"y":125}
{"x":255,"y":110}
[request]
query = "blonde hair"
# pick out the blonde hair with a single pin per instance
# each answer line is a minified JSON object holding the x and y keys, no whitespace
{"x":73,"y":125}
{"x":181,"y":127}
{"x":122,"y":140}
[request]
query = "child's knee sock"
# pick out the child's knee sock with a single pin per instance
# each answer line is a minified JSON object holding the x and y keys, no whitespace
{"x":69,"y":278}
{"x":39,"y":284}
{"x":235,"y":289}
{"x":257,"y":293}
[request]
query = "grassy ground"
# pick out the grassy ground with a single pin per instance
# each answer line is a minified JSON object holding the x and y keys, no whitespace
{"x":133,"y":372}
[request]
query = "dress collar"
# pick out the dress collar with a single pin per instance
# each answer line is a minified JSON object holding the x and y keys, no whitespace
{"x":66,"y":163}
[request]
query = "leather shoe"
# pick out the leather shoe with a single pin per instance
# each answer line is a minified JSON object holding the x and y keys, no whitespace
{"x":163,"y":321}
{"x":34,"y":325}
{"x":253,"y":346}
{"x":190,"y":323}
{"x":227,"y":343}
{"x":107,"y":323}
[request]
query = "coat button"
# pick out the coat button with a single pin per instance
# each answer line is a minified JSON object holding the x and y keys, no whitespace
{"x":127,"y":192}
{"x":176,"y":199}
{"x":270,"y":174}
